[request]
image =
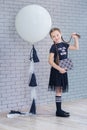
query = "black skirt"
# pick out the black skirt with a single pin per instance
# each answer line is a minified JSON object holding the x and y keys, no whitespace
{"x":58,"y":80}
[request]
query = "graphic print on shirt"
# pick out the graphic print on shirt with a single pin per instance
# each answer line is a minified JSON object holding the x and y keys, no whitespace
{"x":62,"y":51}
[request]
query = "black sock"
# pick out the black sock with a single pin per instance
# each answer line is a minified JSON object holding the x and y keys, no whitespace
{"x":58,"y":105}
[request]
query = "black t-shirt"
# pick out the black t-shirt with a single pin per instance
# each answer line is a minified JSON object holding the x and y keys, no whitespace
{"x":60,"y":48}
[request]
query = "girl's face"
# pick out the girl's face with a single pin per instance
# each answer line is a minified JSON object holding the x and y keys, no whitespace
{"x":56,"y":36}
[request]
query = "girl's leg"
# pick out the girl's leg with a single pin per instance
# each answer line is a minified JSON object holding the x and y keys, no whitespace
{"x":59,"y":111}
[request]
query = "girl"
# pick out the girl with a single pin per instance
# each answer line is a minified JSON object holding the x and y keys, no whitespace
{"x":58,"y":80}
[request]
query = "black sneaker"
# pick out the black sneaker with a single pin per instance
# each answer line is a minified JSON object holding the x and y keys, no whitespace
{"x":65,"y":112}
{"x":62,"y":114}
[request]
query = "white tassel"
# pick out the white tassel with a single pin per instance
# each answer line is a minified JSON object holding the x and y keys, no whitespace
{"x":33,"y":93}
{"x":31,"y":68}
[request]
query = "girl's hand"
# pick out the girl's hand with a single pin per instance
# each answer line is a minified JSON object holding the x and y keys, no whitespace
{"x":75,"y":35}
{"x":62,"y":70}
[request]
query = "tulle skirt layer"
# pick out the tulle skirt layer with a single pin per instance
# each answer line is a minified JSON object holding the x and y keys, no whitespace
{"x":57,"y":79}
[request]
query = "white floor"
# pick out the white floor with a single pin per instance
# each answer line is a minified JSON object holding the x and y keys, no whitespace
{"x":45,"y":118}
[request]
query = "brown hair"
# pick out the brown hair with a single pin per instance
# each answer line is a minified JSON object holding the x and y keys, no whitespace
{"x":57,"y":29}
{"x":54,"y":29}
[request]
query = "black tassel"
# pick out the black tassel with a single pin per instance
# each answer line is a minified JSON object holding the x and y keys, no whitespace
{"x":33,"y":107}
{"x":33,"y":82}
{"x":35,"y":57}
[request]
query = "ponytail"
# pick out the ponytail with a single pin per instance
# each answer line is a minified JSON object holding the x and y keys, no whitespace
{"x":70,"y":38}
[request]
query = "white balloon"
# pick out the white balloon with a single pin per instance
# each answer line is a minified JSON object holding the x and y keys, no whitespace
{"x":33,"y":23}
